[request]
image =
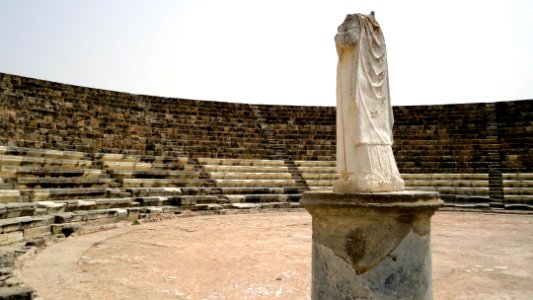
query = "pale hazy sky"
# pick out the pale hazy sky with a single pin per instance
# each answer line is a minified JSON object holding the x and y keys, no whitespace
{"x":269,"y":51}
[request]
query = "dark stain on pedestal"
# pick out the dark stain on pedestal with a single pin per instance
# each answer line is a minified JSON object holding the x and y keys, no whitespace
{"x":355,"y":248}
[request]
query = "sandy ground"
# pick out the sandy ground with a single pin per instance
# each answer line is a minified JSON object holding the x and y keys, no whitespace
{"x":264,"y":256}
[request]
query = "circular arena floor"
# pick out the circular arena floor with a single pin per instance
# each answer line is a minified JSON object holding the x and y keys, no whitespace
{"x":266,"y":256}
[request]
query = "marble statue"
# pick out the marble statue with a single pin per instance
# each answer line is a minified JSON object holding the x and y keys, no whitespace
{"x":365,"y":161}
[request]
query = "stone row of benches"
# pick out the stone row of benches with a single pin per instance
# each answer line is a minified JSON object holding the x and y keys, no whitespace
{"x":139,"y":182}
{"x":453,"y":187}
{"x":42,"y":169}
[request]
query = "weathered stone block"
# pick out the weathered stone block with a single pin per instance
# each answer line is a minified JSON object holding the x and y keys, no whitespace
{"x":30,"y":233}
{"x":11,"y":237}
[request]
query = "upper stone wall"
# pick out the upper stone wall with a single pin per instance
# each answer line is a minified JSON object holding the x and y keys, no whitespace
{"x":428,"y":139}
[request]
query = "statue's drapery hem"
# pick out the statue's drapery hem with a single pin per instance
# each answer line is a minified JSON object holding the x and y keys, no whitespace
{"x":376,"y":171}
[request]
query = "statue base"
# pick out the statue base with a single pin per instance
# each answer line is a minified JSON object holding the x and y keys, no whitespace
{"x":371,"y":245}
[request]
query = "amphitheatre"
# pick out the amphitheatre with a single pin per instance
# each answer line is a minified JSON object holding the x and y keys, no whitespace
{"x":75,"y":161}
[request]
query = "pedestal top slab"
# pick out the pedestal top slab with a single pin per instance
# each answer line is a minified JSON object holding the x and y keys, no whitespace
{"x":413,"y":199}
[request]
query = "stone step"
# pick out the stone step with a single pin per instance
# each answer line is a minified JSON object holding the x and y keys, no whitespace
{"x":78,"y":218}
{"x":325,"y":170}
{"x":322,"y":176}
{"x":467,"y":199}
{"x":249,"y":176}
{"x":408,"y":168}
{"x":35,"y":152}
{"x":146,"y":166}
{"x":207,"y":206}
{"x":111,"y":157}
{"x":70,"y":222}
{"x":16,"y":229}
{"x":443,"y":157}
{"x":154,"y":191}
{"x":468,"y":205}
{"x":254,"y":182}
{"x":519,"y":206}
{"x":262,"y":190}
{"x":71,"y":193}
{"x":10,"y":160}
{"x":473,"y":191}
{"x":12,"y":195}
{"x":260,"y":198}
{"x":518,"y":176}
{"x":17,"y":209}
{"x":154,"y":200}
{"x":165,"y":182}
{"x":240,"y":162}
{"x":526,"y":198}
{"x":49,"y":207}
{"x":321,"y":188}
{"x":518,"y":190}
{"x":449,"y":183}
{"x":116,"y":202}
{"x":263,"y":205}
{"x":200,"y":190}
{"x":6,"y":184}
{"x":445,"y":176}
{"x":64,"y":182}
{"x":190,"y":201}
{"x":17,"y":171}
{"x":317,"y":163}
{"x":75,"y":205}
{"x":16,"y":292}
{"x":321,"y":182}
{"x":154,"y":173}
{"x":246,"y":169}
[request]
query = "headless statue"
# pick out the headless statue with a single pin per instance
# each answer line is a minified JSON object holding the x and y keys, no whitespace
{"x":365,"y":161}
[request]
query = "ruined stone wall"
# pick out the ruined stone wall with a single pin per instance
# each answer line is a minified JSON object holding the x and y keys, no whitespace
{"x":464,"y":138}
{"x":42,"y":114}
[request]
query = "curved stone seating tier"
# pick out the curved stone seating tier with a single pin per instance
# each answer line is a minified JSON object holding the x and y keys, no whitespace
{"x":18,"y":228}
{"x":319,"y":175}
{"x":35,"y":182}
{"x":12,"y":195}
{"x":252,"y":180}
{"x":453,"y":187}
{"x":124,"y":166}
{"x":175,"y":173}
{"x":240,"y":162}
{"x":113,"y":157}
{"x":29,"y":152}
{"x":13,"y":171}
{"x":244,"y":169}
{"x":71,"y":193}
{"x":518,"y":188}
{"x":11,"y":160}
{"x":22,"y":168}
{"x":161,"y":182}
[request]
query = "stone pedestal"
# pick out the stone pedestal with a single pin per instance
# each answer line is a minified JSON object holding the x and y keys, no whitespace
{"x":371,"y":245}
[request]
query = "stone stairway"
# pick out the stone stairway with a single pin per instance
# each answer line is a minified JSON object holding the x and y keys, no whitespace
{"x":320,"y":175}
{"x":493,"y":153}
{"x":253,"y":182}
{"x":279,"y":149}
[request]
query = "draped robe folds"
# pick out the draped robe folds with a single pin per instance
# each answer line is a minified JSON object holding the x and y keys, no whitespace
{"x":365,"y":161}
